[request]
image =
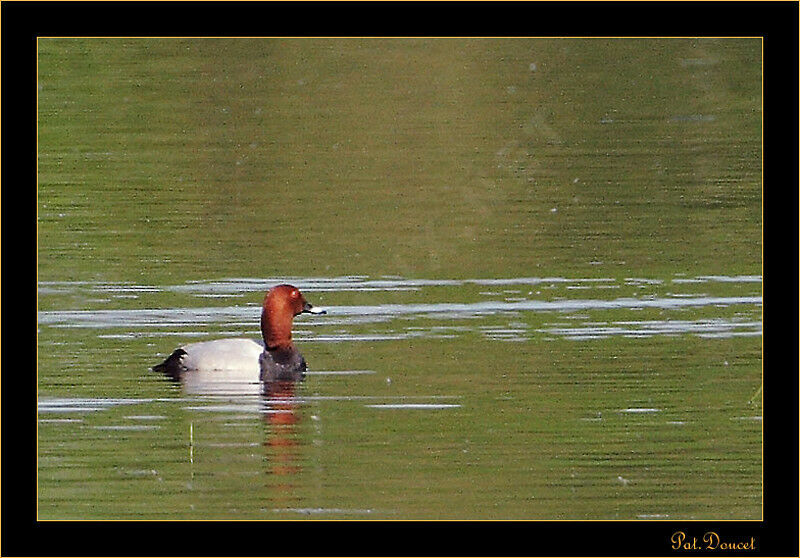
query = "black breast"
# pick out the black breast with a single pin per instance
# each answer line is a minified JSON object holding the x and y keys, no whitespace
{"x":282,"y":365}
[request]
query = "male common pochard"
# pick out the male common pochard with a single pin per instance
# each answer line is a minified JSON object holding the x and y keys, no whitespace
{"x":276,"y":359}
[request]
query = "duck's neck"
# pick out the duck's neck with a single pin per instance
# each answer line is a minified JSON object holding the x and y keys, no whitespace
{"x":276,"y":328}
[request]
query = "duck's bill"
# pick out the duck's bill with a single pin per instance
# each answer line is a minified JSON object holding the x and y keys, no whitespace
{"x":313,"y":309}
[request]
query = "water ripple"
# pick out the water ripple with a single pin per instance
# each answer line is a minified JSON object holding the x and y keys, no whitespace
{"x":399,"y":321}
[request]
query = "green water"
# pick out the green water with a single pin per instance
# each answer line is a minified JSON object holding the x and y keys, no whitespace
{"x":609,"y":169}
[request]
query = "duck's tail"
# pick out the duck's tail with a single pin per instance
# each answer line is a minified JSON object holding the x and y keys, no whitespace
{"x":172,"y":365}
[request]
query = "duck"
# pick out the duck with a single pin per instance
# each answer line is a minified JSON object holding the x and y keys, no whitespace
{"x":275,"y":359}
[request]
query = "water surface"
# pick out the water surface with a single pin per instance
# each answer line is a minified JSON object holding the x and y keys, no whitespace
{"x":541,"y":260}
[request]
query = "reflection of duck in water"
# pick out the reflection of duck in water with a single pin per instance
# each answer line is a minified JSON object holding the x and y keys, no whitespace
{"x":276,"y":359}
{"x":281,"y":416}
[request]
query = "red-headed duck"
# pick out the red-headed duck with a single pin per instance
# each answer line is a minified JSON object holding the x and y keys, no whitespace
{"x":276,"y":359}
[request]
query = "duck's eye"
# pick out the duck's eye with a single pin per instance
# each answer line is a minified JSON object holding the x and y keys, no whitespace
{"x":295,"y":293}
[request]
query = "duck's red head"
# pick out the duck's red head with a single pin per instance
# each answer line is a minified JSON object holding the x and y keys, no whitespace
{"x":281,"y":305}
